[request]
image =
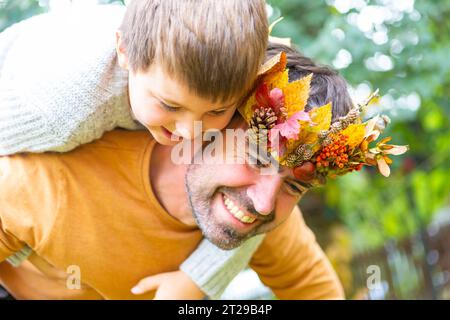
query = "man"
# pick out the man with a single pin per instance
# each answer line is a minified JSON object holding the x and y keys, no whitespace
{"x":116,"y":211}
{"x":109,"y":213}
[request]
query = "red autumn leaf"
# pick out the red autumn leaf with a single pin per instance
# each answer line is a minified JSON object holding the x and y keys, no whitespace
{"x":262,"y":95}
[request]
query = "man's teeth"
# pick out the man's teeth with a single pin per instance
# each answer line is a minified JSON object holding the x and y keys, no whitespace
{"x":236,"y":212}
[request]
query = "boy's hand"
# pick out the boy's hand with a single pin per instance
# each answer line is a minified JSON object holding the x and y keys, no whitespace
{"x":174,"y":285}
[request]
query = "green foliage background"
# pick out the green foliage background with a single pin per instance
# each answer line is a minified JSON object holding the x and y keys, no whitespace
{"x":416,"y":41}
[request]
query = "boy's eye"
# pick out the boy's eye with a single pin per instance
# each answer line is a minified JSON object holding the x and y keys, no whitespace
{"x":167,"y":107}
{"x":217,"y":112}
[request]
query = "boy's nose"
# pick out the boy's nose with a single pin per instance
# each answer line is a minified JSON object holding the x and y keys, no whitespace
{"x":264,"y":193}
{"x":188,"y":129}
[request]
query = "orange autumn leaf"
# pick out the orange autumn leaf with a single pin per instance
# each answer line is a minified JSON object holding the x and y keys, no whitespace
{"x":275,"y":64}
{"x":278,"y":79}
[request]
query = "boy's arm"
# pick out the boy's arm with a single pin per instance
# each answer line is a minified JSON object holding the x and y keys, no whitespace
{"x":20,"y":256}
{"x":61,"y":96}
{"x":212,"y":268}
{"x":26,"y":127}
{"x":292,"y":264}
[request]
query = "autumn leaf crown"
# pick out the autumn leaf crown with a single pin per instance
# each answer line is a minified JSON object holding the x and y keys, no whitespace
{"x":308,"y":142}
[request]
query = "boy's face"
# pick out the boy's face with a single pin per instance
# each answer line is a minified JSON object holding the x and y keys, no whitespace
{"x":165,"y":106}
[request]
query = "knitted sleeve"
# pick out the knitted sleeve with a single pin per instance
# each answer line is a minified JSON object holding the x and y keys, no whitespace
{"x":60,"y":85}
{"x":212,"y":268}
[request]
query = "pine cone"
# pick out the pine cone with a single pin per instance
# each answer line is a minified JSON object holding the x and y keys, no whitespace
{"x":262,"y":121}
{"x":301,"y":154}
{"x":258,"y":137}
{"x":307,"y":154}
{"x":323,"y":134}
{"x":350,"y":118}
{"x":263,"y":118}
{"x":293,"y":160}
{"x":335,"y":127}
{"x":300,"y":149}
{"x":327,"y":141}
{"x":341,"y":124}
{"x":304,"y":152}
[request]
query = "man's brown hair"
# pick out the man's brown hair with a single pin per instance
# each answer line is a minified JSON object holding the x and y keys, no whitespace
{"x":326,"y":84}
{"x":214,"y":46}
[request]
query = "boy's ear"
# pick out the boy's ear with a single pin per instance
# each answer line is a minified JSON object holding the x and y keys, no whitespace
{"x":121,"y":52}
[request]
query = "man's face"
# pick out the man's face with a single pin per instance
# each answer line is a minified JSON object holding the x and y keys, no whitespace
{"x":233,"y":202}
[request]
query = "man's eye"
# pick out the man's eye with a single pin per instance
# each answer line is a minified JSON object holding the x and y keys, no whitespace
{"x":217,"y":112}
{"x":167,"y":107}
{"x":293,"y":188}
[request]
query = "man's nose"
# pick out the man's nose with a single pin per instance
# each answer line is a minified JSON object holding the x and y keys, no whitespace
{"x":264,"y":193}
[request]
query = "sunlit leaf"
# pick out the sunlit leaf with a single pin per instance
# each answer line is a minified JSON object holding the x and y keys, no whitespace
{"x":355,"y":133}
{"x":296,"y":94}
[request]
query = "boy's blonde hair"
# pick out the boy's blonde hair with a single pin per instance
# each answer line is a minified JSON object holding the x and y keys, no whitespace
{"x":214,"y":46}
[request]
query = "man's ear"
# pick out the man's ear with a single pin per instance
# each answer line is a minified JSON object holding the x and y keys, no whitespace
{"x":121,"y":52}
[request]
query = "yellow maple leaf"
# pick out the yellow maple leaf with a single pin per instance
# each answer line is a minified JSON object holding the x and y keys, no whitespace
{"x":296,"y":94}
{"x":308,"y":133}
{"x":321,"y":117}
{"x":316,"y":147}
{"x":355,"y":133}
{"x":246,"y":109}
{"x":291,"y":145}
{"x":310,"y":138}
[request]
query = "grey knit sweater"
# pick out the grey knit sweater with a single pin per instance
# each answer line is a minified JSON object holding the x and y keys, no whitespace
{"x":61,"y":86}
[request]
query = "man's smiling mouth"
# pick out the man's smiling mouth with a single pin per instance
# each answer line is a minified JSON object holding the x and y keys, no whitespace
{"x":236,"y":211}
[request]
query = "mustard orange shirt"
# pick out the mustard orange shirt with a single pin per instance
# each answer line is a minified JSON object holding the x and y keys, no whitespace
{"x":93,"y":209}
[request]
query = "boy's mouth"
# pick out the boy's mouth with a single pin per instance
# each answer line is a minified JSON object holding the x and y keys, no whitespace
{"x":168,"y":133}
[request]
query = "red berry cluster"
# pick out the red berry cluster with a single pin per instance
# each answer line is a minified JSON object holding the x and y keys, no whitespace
{"x":334,"y":155}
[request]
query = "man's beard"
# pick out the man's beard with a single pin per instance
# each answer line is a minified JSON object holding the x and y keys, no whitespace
{"x":201,"y":190}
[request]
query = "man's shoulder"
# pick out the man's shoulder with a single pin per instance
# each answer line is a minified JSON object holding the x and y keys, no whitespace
{"x":119,"y":144}
{"x":122,"y":139}
{"x":36,"y":180}
{"x":292,"y":230}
